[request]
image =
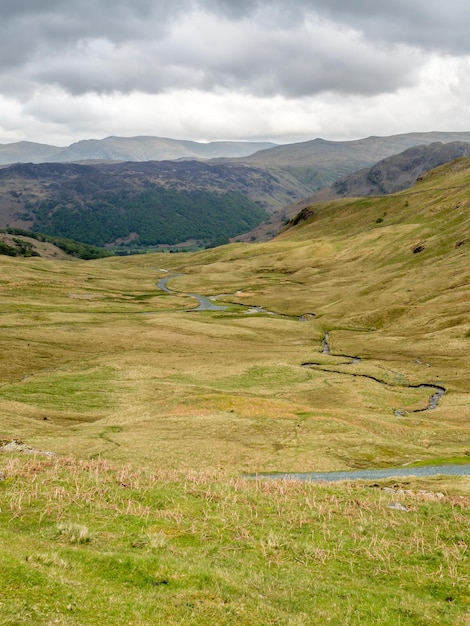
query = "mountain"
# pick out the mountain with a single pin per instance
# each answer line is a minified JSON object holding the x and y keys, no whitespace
{"x":27,"y":151}
{"x":126,"y":149}
{"x":399,"y":171}
{"x":319,"y":163}
{"x":278,"y":179}
{"x":314,"y":164}
{"x":389,"y":175}
{"x":148,"y":203}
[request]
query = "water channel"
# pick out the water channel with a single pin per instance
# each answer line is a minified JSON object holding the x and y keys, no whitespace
{"x":205,"y":304}
{"x":433,"y":403}
{"x":372,"y":474}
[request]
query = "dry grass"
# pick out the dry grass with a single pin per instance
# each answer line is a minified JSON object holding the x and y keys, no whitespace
{"x":84,"y":371}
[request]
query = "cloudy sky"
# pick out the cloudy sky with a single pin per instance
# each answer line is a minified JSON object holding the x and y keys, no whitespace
{"x":281,"y":70}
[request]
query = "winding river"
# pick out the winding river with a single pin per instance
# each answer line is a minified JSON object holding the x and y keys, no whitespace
{"x":205,"y":304}
{"x":433,"y":402}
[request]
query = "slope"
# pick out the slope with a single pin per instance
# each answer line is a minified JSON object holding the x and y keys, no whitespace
{"x":386,"y":277}
{"x":143,"y":517}
{"x":319,"y":163}
{"x":146,"y":203}
{"x":395,"y":173}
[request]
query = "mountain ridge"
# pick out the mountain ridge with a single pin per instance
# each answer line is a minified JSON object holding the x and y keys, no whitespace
{"x":102,"y":203}
{"x":392,"y":174}
{"x":113,"y":148}
{"x":319,"y":163}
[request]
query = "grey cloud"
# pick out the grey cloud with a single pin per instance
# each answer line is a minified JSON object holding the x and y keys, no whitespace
{"x":316,"y":61}
{"x":431,"y":24}
{"x":264,"y":47}
{"x":258,"y":60}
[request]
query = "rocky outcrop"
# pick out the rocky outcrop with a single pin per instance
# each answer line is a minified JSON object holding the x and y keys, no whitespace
{"x":16,"y":445}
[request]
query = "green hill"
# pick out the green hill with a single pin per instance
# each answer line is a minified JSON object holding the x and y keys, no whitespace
{"x":141,"y":204}
{"x":386,"y":277}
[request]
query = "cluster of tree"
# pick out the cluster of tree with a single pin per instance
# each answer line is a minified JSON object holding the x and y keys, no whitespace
{"x":25,"y":248}
{"x":20,"y":248}
{"x":152,"y":217}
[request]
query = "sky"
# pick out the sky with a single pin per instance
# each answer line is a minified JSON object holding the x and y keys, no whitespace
{"x":276,"y":70}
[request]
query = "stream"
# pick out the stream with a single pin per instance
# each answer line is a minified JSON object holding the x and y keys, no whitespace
{"x":205,"y":304}
{"x":433,"y":402}
{"x":372,"y":474}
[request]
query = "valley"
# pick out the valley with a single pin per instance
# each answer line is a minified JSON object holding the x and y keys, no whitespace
{"x":234,"y":313}
{"x":322,"y":350}
{"x":342,"y":271}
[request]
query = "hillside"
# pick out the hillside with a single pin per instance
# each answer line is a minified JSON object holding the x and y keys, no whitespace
{"x":134,"y":423}
{"x":126,"y":149}
{"x":319,"y":163}
{"x":387,"y":277}
{"x":394,"y":173}
{"x":16,"y":242}
{"x":141,"y":204}
{"x":312,"y":164}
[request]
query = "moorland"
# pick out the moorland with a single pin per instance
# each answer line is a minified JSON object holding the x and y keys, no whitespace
{"x":155,"y":412}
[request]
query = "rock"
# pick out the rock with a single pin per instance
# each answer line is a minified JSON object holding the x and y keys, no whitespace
{"x":15,"y":445}
{"x":397,"y":506}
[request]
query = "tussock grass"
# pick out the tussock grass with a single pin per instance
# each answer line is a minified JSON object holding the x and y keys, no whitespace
{"x":73,"y":532}
{"x":179,"y":547}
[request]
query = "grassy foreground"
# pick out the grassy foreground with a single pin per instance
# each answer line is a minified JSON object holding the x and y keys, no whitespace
{"x":155,"y":411}
{"x":92,"y":542}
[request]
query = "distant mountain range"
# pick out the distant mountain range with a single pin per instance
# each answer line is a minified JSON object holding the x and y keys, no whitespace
{"x":95,"y":197}
{"x":392,"y":174}
{"x":319,"y":163}
{"x":126,"y":149}
{"x":399,"y":171}
{"x":315,"y":164}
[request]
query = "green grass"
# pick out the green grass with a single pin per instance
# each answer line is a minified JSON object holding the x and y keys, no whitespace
{"x":452,"y":460}
{"x":120,"y":545}
{"x":64,"y":391}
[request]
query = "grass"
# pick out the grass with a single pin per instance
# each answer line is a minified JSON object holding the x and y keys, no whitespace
{"x":170,"y":547}
{"x":155,"y":412}
{"x":63,"y":391}
{"x":452,"y":460}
